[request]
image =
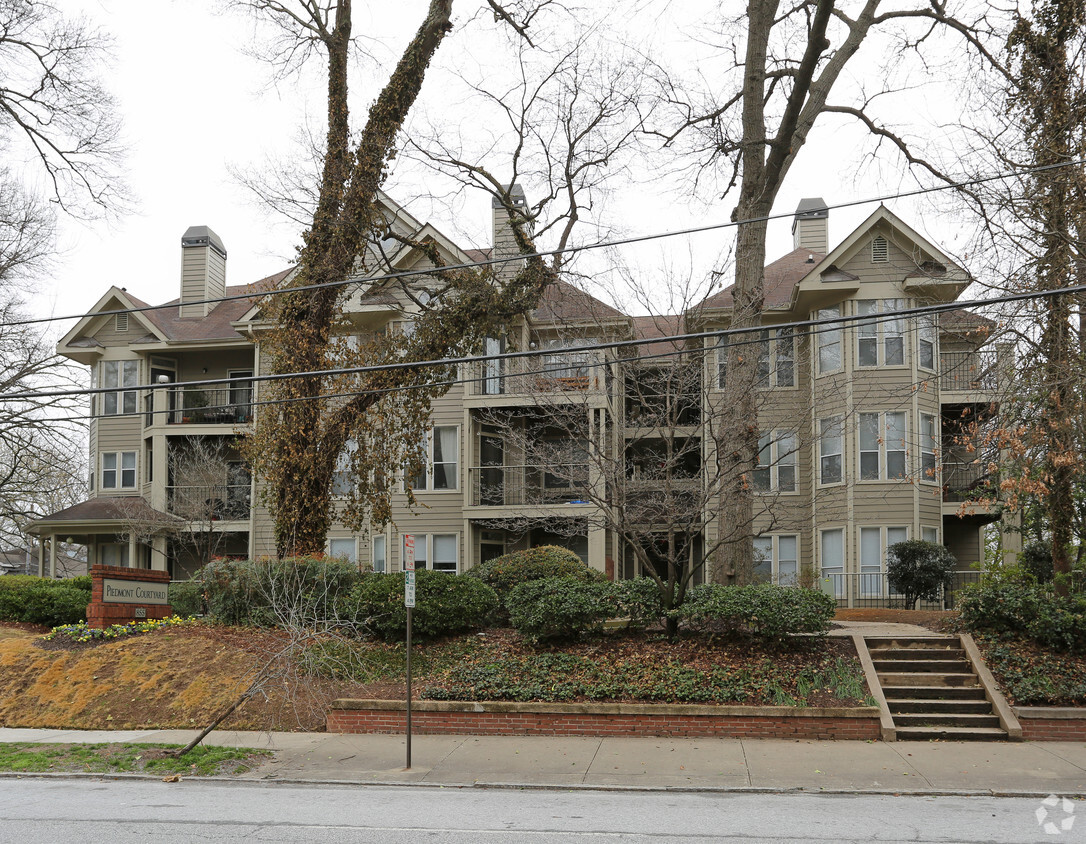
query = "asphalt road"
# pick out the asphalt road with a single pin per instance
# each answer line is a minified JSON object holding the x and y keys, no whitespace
{"x":120,"y":811}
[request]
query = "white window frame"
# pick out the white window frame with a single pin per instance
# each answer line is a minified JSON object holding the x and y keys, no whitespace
{"x":352,"y":555}
{"x":122,"y":392}
{"x":873,"y":581}
{"x":829,"y":336}
{"x":429,"y":473}
{"x":827,"y":434}
{"x":929,"y":448}
{"x":776,"y":451}
{"x":776,"y":354}
{"x":930,"y":534}
{"x":118,"y":470}
{"x":927,"y":343}
{"x":885,"y":333}
{"x":341,"y":475}
{"x":772,"y":545}
{"x":425,"y":551}
{"x":379,"y":541}
{"x":887,"y":444}
{"x":834,"y":568}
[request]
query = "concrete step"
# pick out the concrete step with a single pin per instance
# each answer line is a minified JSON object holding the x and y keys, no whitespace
{"x":951,"y":733}
{"x":941,"y":654}
{"x":934,"y":692}
{"x":931,"y":719}
{"x":937,"y":706}
{"x":925,"y":678}
{"x":939,"y":666}
{"x":941,"y":642}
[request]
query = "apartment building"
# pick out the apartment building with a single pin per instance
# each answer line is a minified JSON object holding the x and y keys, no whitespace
{"x":597,"y":449}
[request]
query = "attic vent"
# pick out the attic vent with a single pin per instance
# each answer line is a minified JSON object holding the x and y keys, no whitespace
{"x":880,"y":252}
{"x":120,"y":322}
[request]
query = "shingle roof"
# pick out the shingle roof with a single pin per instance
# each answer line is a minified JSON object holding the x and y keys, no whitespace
{"x":965,"y":322}
{"x":658,"y":325}
{"x":781,"y":278}
{"x":563,"y":301}
{"x":119,"y":508}
{"x":216,"y":325}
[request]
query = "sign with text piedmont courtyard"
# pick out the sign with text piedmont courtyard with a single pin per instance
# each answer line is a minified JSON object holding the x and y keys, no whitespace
{"x":133,"y":592}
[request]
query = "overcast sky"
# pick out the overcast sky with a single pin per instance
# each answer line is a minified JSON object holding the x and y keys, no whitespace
{"x":193,"y":104}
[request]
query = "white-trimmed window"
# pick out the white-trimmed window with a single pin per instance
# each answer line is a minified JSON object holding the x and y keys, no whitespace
{"x":776,"y":469}
{"x":929,"y":445}
{"x":113,"y":554}
{"x":882,"y":446}
{"x":880,"y":341}
{"x":776,"y":364}
{"x":829,"y":340}
{"x":118,"y":376}
{"x":442,"y":460}
{"x":344,"y":548}
{"x":832,"y":555}
{"x":830,"y":441}
{"x":925,"y":343}
{"x":118,"y":469}
{"x":341,"y":477}
{"x":380,"y":553}
{"x":873,"y":544}
{"x":930,"y":534}
{"x":776,"y":559}
{"x":437,"y":551}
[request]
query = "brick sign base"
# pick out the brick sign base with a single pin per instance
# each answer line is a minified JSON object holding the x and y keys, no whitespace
{"x":1051,"y":723}
{"x":618,"y":719}
{"x":102,"y":613}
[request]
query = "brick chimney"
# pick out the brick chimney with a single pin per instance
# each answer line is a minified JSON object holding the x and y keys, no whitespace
{"x":203,"y":270}
{"x":504,"y":243}
{"x":811,"y":225}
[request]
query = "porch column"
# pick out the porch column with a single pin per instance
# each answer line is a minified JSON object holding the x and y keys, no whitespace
{"x":52,"y":555}
{"x":158,"y":553}
{"x":132,"y":546}
{"x":41,"y":555}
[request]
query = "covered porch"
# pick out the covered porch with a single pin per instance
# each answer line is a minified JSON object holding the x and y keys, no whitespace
{"x":119,"y":531}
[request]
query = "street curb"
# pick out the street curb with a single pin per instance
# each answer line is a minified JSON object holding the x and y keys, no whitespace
{"x":506,"y":786}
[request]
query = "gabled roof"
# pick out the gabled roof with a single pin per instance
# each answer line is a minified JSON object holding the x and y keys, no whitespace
{"x":119,"y":509}
{"x":562,"y":302}
{"x":658,"y":325}
{"x":217,"y":325}
{"x":781,"y":278}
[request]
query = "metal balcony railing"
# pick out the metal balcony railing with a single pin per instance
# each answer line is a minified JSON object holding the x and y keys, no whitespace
{"x":872,"y":590}
{"x":963,"y":481}
{"x":513,"y":486}
{"x":196,"y":405}
{"x":557,"y":373}
{"x":210,"y":502}
{"x":969,"y":371}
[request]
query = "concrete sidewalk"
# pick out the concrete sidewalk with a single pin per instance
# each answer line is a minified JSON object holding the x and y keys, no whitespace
{"x":1005,"y":768}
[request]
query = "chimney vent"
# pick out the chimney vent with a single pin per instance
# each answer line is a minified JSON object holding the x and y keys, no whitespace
{"x":203,"y":271}
{"x":811,"y":225}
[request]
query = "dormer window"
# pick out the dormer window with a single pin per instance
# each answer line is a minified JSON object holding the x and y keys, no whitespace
{"x":880,"y":250}
{"x":120,"y":322}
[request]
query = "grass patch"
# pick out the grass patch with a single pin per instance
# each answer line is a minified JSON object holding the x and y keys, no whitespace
{"x":126,"y":758}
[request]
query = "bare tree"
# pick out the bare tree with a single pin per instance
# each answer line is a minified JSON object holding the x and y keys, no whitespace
{"x":785,"y":63}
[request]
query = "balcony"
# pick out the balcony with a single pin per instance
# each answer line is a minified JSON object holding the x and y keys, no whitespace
{"x":566,"y":373}
{"x":210,"y":502}
{"x":969,"y":372}
{"x":965,"y":481}
{"x":202,"y":406}
{"x":518,"y":486}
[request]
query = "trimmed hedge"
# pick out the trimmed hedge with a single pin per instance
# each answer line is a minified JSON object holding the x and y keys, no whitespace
{"x":263,"y":593}
{"x":639,"y":598}
{"x":444,"y":604}
{"x":762,"y":610}
{"x":1033,"y":611}
{"x":43,"y":600}
{"x":561,"y":607}
{"x":508,"y":571}
{"x":187,"y":598}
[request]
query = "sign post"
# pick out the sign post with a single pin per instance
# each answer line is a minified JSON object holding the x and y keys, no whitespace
{"x":409,"y":602}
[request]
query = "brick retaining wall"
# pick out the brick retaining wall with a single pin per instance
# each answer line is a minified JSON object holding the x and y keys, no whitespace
{"x":543,"y":719}
{"x":1052,"y":723}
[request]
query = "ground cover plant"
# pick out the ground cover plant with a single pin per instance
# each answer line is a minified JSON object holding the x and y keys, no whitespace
{"x":126,"y":758}
{"x":1032,"y":675}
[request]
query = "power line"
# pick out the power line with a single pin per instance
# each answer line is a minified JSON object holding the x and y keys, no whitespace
{"x":819,"y":324}
{"x":255,"y":295}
